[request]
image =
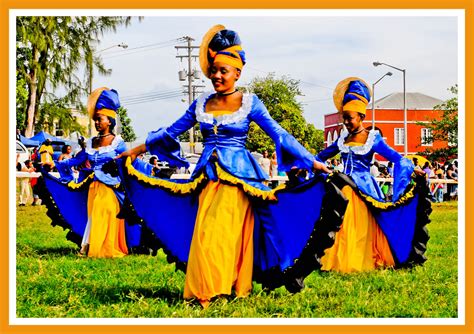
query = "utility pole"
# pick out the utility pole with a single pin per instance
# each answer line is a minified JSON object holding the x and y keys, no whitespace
{"x":190,"y":74}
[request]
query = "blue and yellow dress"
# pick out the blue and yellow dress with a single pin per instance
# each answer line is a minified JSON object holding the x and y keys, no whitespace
{"x":89,"y":208}
{"x":375,"y":232}
{"x":224,"y":227}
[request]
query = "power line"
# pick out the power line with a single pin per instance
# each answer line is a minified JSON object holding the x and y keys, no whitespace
{"x":154,"y":99}
{"x":144,"y":48}
{"x":147,"y":94}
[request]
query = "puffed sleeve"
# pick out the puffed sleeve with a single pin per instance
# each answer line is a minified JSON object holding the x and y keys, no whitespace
{"x":64,"y":166}
{"x":328,"y":152}
{"x":289,"y":152}
{"x":121,"y":147}
{"x":163,"y":142}
{"x":402,"y":169}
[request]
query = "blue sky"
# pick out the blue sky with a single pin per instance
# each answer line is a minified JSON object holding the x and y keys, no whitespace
{"x":318,"y":48}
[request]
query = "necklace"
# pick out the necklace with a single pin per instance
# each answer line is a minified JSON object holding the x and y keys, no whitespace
{"x":357,"y":131}
{"x":101,"y":136}
{"x":227,"y":94}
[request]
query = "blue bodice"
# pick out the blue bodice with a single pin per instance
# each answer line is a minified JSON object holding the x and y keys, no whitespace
{"x":357,"y":161}
{"x":97,"y":158}
{"x":227,"y":135}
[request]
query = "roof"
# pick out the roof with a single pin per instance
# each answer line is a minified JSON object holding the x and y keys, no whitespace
{"x":415,"y":101}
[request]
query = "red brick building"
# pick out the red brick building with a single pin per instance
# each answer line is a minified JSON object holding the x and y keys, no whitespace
{"x":389,"y":121}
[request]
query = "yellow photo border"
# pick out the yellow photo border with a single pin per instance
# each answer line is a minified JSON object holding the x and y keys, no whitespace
{"x":7,"y":5}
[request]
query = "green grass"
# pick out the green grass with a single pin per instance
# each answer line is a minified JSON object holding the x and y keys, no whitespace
{"x":52,"y":282}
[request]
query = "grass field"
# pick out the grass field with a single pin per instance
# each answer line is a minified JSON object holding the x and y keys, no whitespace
{"x":53,"y":282}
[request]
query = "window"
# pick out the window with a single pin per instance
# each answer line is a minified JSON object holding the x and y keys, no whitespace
{"x":329,"y":140}
{"x":426,"y":137}
{"x":399,"y":136}
{"x":58,"y":132}
{"x":334,"y":136}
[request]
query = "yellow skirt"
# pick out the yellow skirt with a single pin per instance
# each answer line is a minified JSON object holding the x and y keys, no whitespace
{"x":107,"y":234}
{"x":360,"y":244}
{"x":221,"y":253}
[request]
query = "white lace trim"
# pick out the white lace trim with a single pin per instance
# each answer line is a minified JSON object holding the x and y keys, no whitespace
{"x":103,"y":149}
{"x":204,"y":117}
{"x":363,"y":149}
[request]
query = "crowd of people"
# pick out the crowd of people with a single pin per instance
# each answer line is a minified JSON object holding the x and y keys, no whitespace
{"x":226,"y":227}
{"x":432,"y":170}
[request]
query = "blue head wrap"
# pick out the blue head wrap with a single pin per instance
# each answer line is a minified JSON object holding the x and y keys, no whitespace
{"x":357,"y":90}
{"x":108,"y":99}
{"x":226,"y":42}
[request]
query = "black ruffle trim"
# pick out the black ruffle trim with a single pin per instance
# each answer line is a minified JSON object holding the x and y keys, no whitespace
{"x":423,"y":211}
{"x":150,"y":243}
{"x":53,"y":211}
{"x":147,"y":245}
{"x":333,"y":208}
{"x":421,"y":236}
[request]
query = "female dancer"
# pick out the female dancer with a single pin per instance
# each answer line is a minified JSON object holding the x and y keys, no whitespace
{"x":90,"y":208}
{"x":374,"y":232}
{"x":223,"y":227}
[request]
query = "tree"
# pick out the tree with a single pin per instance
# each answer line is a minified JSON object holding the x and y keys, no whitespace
{"x":184,"y":137}
{"x":279,"y":96}
{"x":444,"y":129}
{"x":126,"y":128}
{"x":51,"y":49}
{"x":58,"y":112}
{"x":21,"y":100}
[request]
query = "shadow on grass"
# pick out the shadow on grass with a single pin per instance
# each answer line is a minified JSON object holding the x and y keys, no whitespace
{"x":56,"y":251}
{"x":172,"y":296}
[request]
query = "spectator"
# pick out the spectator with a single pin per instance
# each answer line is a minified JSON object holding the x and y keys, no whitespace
{"x":374,"y":169}
{"x":452,"y":187}
{"x":390,"y":168}
{"x":274,"y":165}
{"x":439,"y":192}
{"x":25,"y":192}
{"x":264,"y":162}
{"x":66,"y":152}
{"x":415,"y":162}
{"x":427,"y":169}
{"x":46,"y":153}
{"x":155,"y":171}
{"x":337,"y":166}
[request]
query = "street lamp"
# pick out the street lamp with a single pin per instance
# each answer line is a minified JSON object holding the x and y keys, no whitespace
{"x":91,"y":71}
{"x":373,"y":97}
{"x":405,"y":132}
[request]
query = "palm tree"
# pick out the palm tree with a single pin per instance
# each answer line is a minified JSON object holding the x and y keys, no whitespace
{"x":51,"y":49}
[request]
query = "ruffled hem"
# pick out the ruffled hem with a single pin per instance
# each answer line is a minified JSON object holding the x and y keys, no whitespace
{"x":150,"y":243}
{"x":196,"y":185}
{"x":174,"y":187}
{"x":52,"y":210}
{"x":57,"y":219}
{"x":322,"y":237}
{"x":266,"y":195}
{"x":81,"y":185}
{"x":423,"y":210}
{"x":421,"y":236}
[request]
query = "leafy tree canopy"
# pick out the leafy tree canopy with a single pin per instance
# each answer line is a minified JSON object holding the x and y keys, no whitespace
{"x":51,"y":49}
{"x":126,"y":129}
{"x":444,"y":129}
{"x":279,"y":96}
